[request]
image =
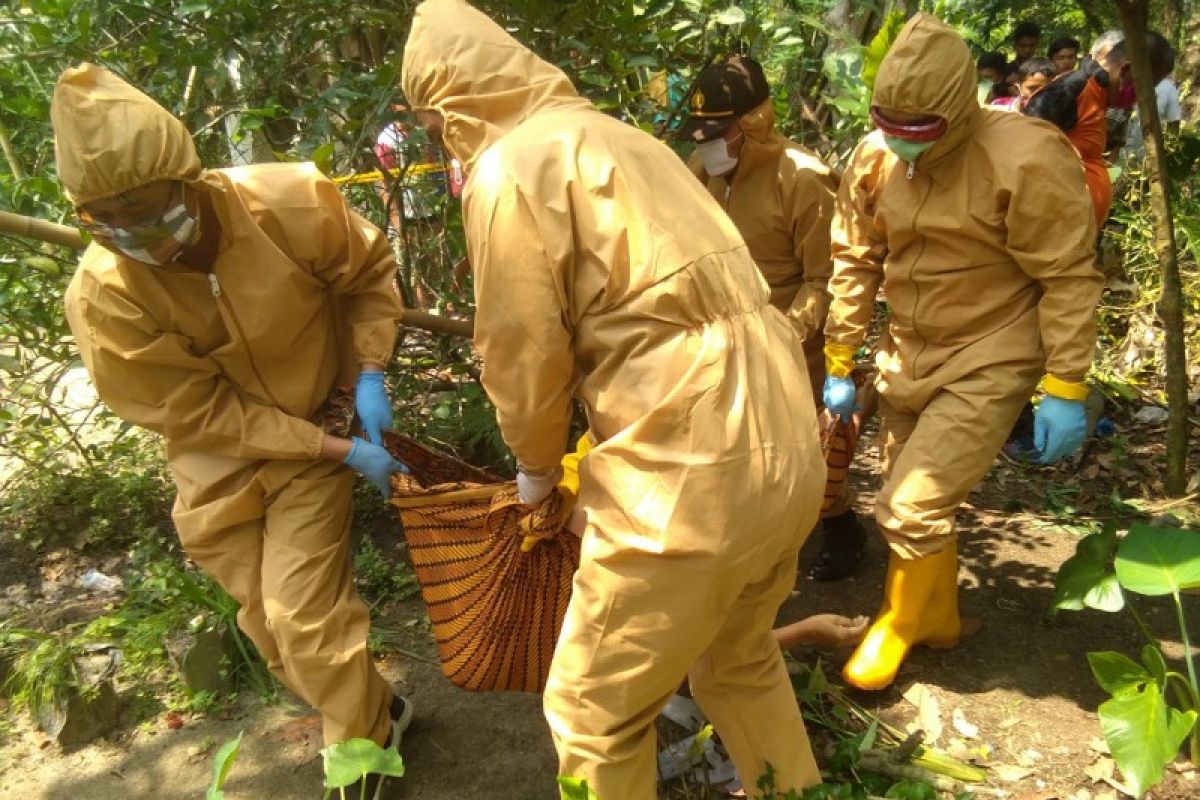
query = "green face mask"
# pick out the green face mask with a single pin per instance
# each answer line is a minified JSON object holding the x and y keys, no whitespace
{"x":906,"y":150}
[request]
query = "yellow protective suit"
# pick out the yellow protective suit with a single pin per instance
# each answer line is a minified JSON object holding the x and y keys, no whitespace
{"x":781,"y":198}
{"x":230,"y":366}
{"x":984,"y":251}
{"x":605,"y":272}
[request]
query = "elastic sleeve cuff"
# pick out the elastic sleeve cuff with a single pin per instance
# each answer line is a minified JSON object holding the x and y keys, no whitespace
{"x":839,"y":359}
{"x":1067,"y":390}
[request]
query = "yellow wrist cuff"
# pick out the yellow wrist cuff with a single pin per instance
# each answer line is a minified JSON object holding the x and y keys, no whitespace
{"x":1057,"y":387}
{"x":839,"y":359}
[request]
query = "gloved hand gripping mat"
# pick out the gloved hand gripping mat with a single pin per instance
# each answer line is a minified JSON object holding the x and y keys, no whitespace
{"x":495,"y":576}
{"x":840,"y":438}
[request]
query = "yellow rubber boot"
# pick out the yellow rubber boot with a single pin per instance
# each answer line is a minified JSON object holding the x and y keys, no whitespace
{"x":920,"y":606}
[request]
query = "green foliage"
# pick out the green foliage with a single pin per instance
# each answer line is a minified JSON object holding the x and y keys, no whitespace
{"x":910,"y":790}
{"x":1153,"y":562}
{"x":1087,"y":580}
{"x":1143,"y":729}
{"x":575,"y":789}
{"x":379,"y":580}
{"x":349,"y":762}
{"x":222,"y":763}
{"x":43,"y":667}
{"x":858,"y":737}
{"x":1144,"y":733}
{"x":879,"y":46}
{"x":126,"y":499}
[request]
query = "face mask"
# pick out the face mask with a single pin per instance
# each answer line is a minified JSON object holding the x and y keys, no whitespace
{"x":716,"y":158}
{"x":138,"y":241}
{"x":906,"y":150}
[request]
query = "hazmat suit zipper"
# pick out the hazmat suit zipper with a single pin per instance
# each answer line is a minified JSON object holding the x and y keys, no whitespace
{"x":216,"y":293}
{"x":912,"y":273}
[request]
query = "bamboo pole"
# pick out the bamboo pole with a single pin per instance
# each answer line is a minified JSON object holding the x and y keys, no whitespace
{"x":33,"y":228}
{"x":65,"y":235}
{"x":434,"y":324}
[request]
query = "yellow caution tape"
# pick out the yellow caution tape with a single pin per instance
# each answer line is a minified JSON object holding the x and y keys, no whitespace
{"x":375,"y":175}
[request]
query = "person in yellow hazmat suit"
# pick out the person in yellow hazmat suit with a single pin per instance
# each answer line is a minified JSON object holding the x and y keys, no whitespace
{"x":780,"y":196}
{"x":605,"y":272}
{"x":219,"y":308}
{"x":978,"y":227}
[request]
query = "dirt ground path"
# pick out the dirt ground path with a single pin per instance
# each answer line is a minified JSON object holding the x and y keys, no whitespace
{"x":1023,"y":681}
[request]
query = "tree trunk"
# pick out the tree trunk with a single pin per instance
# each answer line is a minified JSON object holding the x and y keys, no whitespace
{"x":1172,"y":18}
{"x":1170,"y":305}
{"x":1187,"y":69}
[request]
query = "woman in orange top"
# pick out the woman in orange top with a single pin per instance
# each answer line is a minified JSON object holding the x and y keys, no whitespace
{"x":1076,"y":102}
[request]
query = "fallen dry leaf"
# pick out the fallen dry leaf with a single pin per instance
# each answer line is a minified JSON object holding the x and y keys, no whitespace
{"x":1120,"y":787}
{"x":965,"y":728}
{"x":1029,"y":757}
{"x":1102,"y":770}
{"x":1099,"y":745}
{"x":1011,"y":773}
{"x":1041,"y":796}
{"x":929,"y":712}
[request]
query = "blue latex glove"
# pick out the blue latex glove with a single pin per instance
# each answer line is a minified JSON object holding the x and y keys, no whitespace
{"x":839,"y":396}
{"x":1058,"y":428}
{"x":373,"y":407}
{"x":373,"y":463}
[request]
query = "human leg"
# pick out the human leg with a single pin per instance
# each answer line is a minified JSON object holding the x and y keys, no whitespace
{"x":312,"y":608}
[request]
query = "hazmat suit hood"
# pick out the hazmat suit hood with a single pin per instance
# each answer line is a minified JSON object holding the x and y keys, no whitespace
{"x":929,"y":70}
{"x":482,"y":81}
{"x":762,"y":142}
{"x":110,"y":138}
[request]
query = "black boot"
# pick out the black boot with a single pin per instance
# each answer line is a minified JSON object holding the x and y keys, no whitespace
{"x":842,"y":541}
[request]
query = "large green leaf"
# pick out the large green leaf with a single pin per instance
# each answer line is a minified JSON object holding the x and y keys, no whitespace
{"x":1086,"y":579}
{"x":1144,"y":734}
{"x":1117,"y":674}
{"x":1153,"y":659}
{"x":222,"y":763}
{"x":1157,"y":561}
{"x":879,"y":46}
{"x":347,"y":762}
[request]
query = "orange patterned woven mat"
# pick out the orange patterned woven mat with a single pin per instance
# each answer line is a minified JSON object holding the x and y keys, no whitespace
{"x":496,"y":607}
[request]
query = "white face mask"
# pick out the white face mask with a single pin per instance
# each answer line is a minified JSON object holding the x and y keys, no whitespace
{"x":716,"y":158}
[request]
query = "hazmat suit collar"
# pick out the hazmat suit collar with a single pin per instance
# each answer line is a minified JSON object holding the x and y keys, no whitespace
{"x":929,"y":70}
{"x":110,"y":138}
{"x":484,"y":82}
